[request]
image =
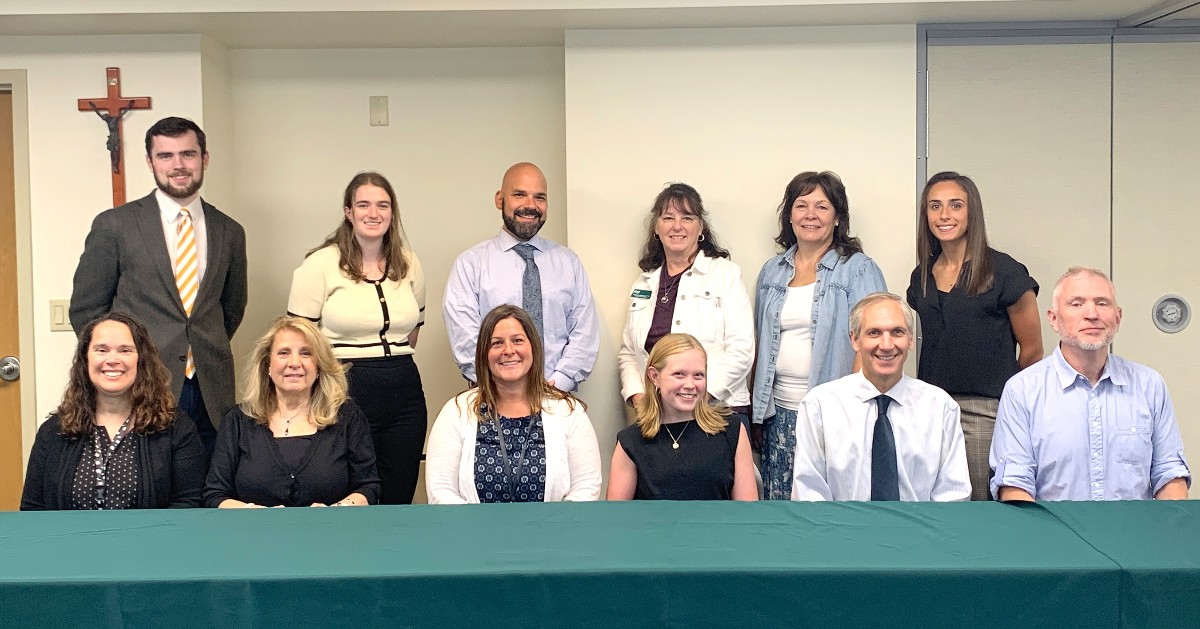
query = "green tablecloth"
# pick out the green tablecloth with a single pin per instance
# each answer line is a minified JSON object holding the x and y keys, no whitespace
{"x":607,"y":565}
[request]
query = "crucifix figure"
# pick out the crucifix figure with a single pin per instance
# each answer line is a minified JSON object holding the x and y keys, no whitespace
{"x":112,"y":110}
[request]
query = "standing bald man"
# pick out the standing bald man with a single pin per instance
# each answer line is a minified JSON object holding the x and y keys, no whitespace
{"x":519,"y":267}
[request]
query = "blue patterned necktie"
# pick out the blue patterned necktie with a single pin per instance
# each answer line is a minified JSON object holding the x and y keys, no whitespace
{"x":885,"y":481}
{"x":531,"y":285}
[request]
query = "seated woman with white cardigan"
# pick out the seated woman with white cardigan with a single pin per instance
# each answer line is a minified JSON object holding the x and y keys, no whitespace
{"x":514,"y":438}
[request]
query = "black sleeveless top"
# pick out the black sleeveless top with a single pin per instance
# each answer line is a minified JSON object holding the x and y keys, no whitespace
{"x":701,"y":468}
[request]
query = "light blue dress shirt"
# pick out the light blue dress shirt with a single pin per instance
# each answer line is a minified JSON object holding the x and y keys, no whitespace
{"x":1059,"y":438}
{"x":841,"y":283}
{"x":489,"y":275}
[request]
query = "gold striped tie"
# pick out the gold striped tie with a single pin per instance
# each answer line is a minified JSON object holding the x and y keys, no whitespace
{"x":187,"y":272}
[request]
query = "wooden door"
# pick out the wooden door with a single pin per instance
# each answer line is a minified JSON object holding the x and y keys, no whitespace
{"x":10,"y":392}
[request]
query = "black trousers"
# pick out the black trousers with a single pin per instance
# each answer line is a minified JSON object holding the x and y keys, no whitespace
{"x":388,"y":390}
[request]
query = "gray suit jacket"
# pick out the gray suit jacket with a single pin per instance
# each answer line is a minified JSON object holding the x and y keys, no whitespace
{"x":125,"y":266}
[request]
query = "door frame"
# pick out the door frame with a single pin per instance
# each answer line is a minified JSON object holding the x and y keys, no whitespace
{"x":17,"y":82}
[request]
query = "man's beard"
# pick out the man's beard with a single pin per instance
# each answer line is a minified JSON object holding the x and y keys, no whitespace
{"x":177,"y":193}
{"x":524,"y":231}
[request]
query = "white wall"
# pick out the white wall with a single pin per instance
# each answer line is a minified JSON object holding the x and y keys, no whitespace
{"x":68,"y":163}
{"x":736,"y":113}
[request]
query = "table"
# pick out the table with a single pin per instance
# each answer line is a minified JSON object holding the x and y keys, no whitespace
{"x":608,"y":565}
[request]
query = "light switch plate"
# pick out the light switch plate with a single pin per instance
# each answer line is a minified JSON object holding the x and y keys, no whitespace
{"x":59,"y":319}
{"x":379,"y":111}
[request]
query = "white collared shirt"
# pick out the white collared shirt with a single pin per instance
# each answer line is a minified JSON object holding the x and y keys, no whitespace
{"x":169,"y":213}
{"x":835,"y":426}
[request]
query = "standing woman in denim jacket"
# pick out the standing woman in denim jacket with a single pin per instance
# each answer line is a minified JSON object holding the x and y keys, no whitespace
{"x":802,"y":308}
{"x":688,"y":284}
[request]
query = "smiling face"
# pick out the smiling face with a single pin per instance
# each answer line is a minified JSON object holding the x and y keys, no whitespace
{"x":370,"y":213}
{"x":813,"y":219}
{"x":681,"y":383}
{"x":1085,"y":313}
{"x":178,"y":164}
{"x":292,"y":367}
{"x":112,"y":359}
{"x":510,"y":356}
{"x":522,"y":201}
{"x":882,"y":343}
{"x":679,"y":230}
{"x":946,"y":211}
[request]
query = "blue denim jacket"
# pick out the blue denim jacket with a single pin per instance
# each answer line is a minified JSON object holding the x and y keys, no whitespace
{"x":840,"y":284}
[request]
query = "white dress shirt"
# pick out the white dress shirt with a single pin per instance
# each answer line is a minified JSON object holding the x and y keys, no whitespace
{"x":834,"y":431}
{"x":169,"y":213}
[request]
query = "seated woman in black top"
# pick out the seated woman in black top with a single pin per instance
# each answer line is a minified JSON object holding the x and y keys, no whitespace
{"x":663,"y":456}
{"x":978,"y":309}
{"x":116,"y":441}
{"x":296,"y":440}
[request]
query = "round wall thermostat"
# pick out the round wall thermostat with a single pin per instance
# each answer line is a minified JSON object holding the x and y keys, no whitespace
{"x":1171,"y":313}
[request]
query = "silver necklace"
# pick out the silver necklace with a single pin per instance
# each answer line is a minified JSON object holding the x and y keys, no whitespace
{"x":674,"y":439}
{"x":287,"y":421}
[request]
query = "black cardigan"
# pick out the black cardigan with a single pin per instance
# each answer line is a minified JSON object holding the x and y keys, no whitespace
{"x":170,"y":462}
{"x":246,"y":464}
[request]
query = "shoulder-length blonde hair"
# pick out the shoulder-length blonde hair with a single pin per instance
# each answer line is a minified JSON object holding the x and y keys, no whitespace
{"x":349,"y":252}
{"x":328,"y":391}
{"x":537,"y":390}
{"x":710,"y":418}
{"x":150,"y":396}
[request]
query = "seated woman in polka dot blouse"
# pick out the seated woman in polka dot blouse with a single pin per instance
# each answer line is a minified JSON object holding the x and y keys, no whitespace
{"x":515,"y":437}
{"x":117,"y":440}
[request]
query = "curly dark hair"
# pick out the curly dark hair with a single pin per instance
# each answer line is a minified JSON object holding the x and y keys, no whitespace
{"x":829,"y":183}
{"x":150,"y":396}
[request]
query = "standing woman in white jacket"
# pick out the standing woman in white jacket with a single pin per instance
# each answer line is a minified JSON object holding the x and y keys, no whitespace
{"x":688,"y":284}
{"x":514,"y":438}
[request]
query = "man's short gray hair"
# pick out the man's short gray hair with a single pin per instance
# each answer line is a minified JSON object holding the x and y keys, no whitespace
{"x":856,"y":313}
{"x":1076,"y":271}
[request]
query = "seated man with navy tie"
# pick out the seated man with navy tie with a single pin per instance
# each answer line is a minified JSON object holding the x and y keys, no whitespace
{"x":1082,"y":423}
{"x":520,"y":268}
{"x":879,"y":434}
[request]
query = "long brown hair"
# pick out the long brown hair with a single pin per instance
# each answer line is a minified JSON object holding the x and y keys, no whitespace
{"x":684,"y":199}
{"x":829,"y":183}
{"x":536,"y":387}
{"x":328,"y":392}
{"x":150,"y":396}
{"x":978,"y":274}
{"x":349,"y":251}
{"x":710,"y":418}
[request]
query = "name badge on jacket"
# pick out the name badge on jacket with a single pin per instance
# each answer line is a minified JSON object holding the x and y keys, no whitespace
{"x":641,"y":293}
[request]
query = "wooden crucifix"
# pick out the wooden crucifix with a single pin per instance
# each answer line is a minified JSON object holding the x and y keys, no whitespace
{"x":111,"y":110}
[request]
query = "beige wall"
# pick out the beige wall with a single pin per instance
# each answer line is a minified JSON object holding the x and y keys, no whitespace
{"x":735,"y":113}
{"x":68,"y":163}
{"x":459,"y":118}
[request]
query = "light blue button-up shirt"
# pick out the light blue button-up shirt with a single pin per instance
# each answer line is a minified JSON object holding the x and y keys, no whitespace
{"x":1059,"y":438}
{"x":841,"y":282}
{"x":489,"y":275}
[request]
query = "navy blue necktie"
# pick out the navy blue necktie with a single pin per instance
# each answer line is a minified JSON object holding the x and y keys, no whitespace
{"x":531,"y":285}
{"x":885,"y":480}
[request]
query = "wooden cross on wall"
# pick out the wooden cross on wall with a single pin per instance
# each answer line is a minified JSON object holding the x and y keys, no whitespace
{"x":111,"y":110}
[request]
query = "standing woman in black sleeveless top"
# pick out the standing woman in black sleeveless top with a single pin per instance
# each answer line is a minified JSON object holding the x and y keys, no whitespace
{"x":681,"y":448}
{"x":978,"y":309}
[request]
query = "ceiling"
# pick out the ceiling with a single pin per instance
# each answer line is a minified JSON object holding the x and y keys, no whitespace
{"x":471,"y":23}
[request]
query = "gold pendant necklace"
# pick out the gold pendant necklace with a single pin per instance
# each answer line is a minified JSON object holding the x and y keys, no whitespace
{"x":674,"y":439}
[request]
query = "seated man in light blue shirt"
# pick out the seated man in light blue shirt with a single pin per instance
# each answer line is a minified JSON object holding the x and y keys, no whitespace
{"x":879,"y":434}
{"x":1083,"y":424}
{"x":520,"y":268}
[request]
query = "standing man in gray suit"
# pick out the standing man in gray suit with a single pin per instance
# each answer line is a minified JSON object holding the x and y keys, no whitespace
{"x":177,"y":265}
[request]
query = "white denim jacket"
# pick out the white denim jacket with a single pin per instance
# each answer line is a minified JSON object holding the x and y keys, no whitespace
{"x":712,"y":305}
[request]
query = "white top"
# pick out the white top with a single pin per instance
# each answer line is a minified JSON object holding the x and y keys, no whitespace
{"x":713,"y":307}
{"x":169,"y":213}
{"x":572,"y":453}
{"x":834,"y":429}
{"x":360,"y":319}
{"x":795,"y":347}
